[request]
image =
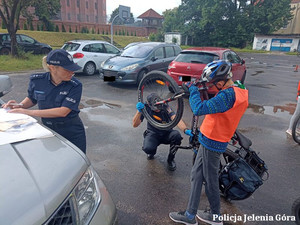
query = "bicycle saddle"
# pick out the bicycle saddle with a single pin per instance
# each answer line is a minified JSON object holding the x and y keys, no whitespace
{"x":243,"y":140}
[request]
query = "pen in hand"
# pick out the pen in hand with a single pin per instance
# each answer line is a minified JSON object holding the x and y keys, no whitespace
{"x":16,"y":104}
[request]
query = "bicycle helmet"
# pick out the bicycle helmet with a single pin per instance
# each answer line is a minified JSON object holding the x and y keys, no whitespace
{"x":216,"y":71}
{"x":152,"y":99}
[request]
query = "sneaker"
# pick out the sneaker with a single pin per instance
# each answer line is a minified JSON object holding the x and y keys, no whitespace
{"x":289,"y":132}
{"x":180,"y":217}
{"x":171,"y":165}
{"x":207,"y":217}
{"x":150,"y":156}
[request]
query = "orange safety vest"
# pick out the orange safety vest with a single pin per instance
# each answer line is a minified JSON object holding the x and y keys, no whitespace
{"x":221,"y":126}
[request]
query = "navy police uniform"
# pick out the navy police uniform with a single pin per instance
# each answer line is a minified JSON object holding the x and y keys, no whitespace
{"x":154,"y":137}
{"x":43,"y":92}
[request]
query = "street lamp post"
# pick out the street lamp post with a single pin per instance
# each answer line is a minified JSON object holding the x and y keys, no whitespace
{"x":112,"y":30}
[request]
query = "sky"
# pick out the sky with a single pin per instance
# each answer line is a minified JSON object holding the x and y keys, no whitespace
{"x":138,"y":7}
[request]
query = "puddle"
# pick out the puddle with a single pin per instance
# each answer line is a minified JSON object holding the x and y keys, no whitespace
{"x":94,"y":103}
{"x":278,"y":111}
{"x":257,"y":73}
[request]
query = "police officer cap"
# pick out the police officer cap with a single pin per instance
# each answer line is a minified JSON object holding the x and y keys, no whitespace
{"x":60,"y":57}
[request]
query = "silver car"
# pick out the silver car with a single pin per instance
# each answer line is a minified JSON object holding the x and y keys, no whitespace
{"x":50,"y":181}
{"x":138,"y":60}
{"x":90,"y":54}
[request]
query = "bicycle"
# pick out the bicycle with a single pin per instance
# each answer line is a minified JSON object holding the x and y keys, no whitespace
{"x":296,"y":129}
{"x":160,"y":83}
{"x":296,"y":210}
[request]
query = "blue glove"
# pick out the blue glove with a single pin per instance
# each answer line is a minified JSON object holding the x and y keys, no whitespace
{"x":189,"y":133}
{"x":190,"y":83}
{"x":140,"y":106}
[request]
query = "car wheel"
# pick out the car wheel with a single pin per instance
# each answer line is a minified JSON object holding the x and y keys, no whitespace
{"x":45,"y":51}
{"x":89,"y":68}
{"x":140,"y":76}
{"x":4,"y":51}
{"x":243,"y":78}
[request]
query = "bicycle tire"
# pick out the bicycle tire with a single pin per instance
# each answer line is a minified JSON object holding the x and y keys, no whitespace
{"x":296,"y":210}
{"x":159,"y":82}
{"x":296,"y":130}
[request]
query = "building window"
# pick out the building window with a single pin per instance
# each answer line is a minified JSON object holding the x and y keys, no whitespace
{"x":87,"y":19}
{"x":87,"y":5}
{"x":96,"y":19}
{"x":78,"y":17}
{"x":69,"y":16}
{"x":68,"y":3}
{"x":78,"y":3}
{"x":96,"y":5}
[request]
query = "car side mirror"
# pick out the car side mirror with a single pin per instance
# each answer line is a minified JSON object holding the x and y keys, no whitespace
{"x":243,"y":62}
{"x":154,"y":58}
{"x":5,"y":85}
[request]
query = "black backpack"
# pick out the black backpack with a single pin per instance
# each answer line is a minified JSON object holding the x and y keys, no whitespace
{"x":238,"y":180}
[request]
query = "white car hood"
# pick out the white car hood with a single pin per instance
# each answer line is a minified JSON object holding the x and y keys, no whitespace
{"x":35,"y":178}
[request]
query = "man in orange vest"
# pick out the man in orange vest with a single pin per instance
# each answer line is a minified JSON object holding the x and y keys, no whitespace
{"x":223,"y":113}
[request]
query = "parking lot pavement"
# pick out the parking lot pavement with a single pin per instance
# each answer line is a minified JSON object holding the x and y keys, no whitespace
{"x":145,"y":191}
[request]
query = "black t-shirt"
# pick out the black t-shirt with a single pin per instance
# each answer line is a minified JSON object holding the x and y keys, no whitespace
{"x":163,"y":116}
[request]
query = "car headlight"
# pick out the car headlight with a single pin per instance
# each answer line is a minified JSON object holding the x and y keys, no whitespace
{"x":131,"y":67}
{"x":87,"y":196}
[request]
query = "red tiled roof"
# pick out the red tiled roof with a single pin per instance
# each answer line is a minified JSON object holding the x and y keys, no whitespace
{"x":295,"y":1}
{"x":151,"y":14}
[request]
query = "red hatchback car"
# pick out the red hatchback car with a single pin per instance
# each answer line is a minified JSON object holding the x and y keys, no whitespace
{"x":189,"y":64}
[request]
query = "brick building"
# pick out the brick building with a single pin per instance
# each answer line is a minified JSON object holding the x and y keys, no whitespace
{"x":83,"y":11}
{"x":76,"y":15}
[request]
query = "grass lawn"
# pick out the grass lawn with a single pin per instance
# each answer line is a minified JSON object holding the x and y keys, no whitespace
{"x":56,"y":40}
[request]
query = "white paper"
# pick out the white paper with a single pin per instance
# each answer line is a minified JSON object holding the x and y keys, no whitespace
{"x":25,"y":127}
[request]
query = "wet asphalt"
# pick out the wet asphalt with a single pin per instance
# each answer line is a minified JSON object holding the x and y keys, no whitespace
{"x":145,"y":191}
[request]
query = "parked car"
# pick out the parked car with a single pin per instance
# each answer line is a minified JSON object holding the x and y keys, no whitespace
{"x":138,"y":60}
{"x":26,"y":43}
{"x":90,"y":54}
{"x":48,"y":180}
{"x":189,"y":64}
{"x":132,"y":44}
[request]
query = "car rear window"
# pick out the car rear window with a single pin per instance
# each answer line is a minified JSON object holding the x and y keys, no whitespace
{"x":71,"y":46}
{"x":137,"y":51}
{"x":196,"y":57}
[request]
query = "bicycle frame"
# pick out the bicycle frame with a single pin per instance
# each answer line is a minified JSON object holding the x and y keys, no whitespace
{"x":193,"y":142}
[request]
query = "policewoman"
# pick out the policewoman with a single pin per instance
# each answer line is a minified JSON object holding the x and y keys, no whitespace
{"x":57,"y":94}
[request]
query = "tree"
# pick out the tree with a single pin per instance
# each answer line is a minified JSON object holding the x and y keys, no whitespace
{"x":172,"y":20}
{"x":231,"y":22}
{"x":11,"y":10}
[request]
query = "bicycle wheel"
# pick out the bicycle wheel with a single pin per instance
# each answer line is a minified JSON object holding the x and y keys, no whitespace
{"x":296,"y":210}
{"x":296,"y":130}
{"x":159,"y":83}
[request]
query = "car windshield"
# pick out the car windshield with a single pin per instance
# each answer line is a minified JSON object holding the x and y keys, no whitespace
{"x":137,"y":51}
{"x":71,"y":46}
{"x":196,"y":57}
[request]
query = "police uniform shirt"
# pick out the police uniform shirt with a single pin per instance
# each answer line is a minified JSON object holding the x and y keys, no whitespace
{"x":43,"y":92}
